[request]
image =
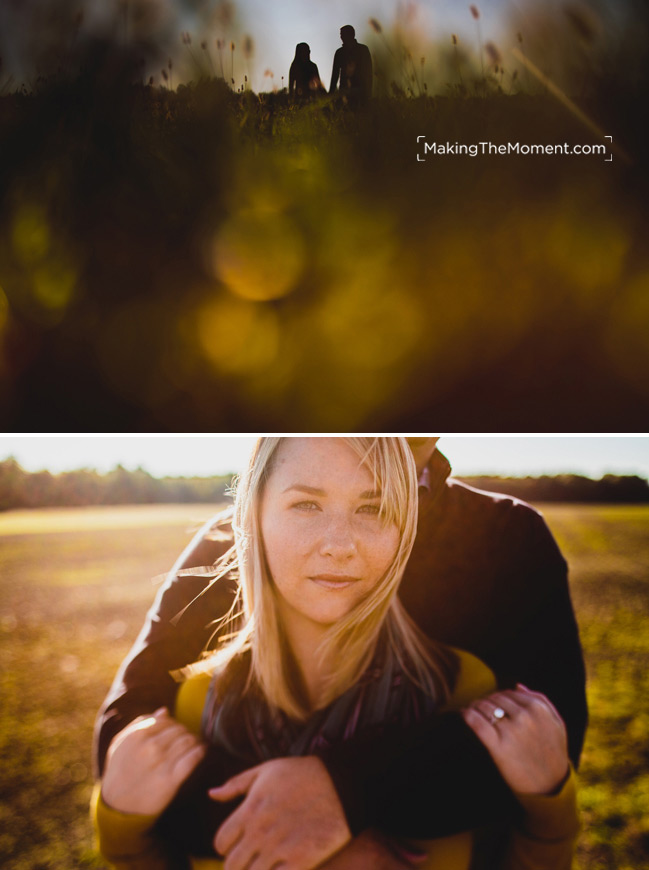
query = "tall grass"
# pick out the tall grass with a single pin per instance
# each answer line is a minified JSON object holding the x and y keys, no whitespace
{"x":191,"y":257}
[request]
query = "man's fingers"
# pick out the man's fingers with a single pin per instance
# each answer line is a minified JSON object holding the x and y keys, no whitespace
{"x":241,"y":857}
{"x":290,"y":819}
{"x":229,"y":834}
{"x":235,"y":787}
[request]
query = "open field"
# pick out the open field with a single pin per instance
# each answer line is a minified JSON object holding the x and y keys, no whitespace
{"x":74,"y":586}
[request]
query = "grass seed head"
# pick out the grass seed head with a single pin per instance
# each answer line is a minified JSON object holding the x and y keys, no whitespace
{"x":582,"y":22}
{"x":493,"y":54}
{"x":475,"y":12}
{"x":375,"y":25}
{"x":225,"y":13}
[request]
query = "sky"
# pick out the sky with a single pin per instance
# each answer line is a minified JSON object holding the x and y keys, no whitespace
{"x":31,"y":36}
{"x":275,"y":27}
{"x":205,"y":455}
{"x":278,"y":27}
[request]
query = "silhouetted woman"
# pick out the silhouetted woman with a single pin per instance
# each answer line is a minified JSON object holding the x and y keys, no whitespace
{"x":304,"y":78}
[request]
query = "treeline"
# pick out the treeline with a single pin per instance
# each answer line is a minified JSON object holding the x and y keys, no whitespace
{"x":568,"y":487}
{"x":23,"y":489}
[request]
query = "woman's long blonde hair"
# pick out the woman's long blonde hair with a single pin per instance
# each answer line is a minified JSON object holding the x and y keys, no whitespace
{"x":349,"y":644}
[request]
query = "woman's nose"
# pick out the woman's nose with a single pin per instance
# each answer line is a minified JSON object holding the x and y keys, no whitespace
{"x":338,"y":539}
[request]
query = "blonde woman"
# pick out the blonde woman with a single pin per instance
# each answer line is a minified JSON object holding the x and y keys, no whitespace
{"x":323,"y":651}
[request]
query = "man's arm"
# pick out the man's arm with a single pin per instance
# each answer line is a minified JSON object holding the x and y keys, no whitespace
{"x":541,"y":648}
{"x":165,"y":643}
{"x":433,"y":780}
{"x":440,"y":781}
{"x":270,"y":829}
{"x":335,"y":73}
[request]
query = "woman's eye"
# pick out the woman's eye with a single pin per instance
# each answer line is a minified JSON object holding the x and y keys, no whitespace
{"x":306,"y":506}
{"x":372,"y":509}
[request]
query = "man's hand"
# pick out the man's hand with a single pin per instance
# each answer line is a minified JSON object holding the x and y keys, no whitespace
{"x":147,"y":762}
{"x":291,"y":817}
{"x":371,"y":850}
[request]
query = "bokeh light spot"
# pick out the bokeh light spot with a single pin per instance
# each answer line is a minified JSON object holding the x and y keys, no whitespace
{"x":54,"y":285}
{"x":238,"y":338}
{"x":369,"y":327}
{"x":4,"y":310}
{"x":69,"y":664}
{"x":115,"y":629}
{"x":626,"y":336}
{"x":589,"y":251}
{"x":8,"y":623}
{"x":259,"y":255}
{"x":31,"y":234}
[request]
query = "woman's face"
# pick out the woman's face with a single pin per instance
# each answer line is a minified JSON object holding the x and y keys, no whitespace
{"x":325,"y":543}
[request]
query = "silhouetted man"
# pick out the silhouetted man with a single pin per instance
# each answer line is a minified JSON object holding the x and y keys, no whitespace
{"x":352,"y":67}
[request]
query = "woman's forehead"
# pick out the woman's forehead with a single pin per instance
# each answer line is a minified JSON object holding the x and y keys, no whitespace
{"x":320,"y":461}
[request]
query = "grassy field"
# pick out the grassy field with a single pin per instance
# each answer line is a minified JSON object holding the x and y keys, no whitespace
{"x":301,"y":263}
{"x":74,"y":586}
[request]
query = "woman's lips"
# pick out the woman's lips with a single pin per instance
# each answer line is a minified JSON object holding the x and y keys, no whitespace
{"x":334,"y":581}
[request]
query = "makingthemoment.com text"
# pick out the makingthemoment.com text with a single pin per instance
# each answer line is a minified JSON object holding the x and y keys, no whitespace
{"x":452,"y":148}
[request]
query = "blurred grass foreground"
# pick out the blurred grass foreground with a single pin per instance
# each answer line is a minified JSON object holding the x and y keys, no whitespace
{"x":74,"y":587}
{"x":199,"y":258}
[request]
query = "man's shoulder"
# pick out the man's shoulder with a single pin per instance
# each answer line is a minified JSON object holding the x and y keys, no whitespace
{"x":464,"y":494}
{"x":496,"y":520}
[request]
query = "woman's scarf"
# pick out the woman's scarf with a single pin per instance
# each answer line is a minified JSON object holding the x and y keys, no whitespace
{"x":240,"y":720}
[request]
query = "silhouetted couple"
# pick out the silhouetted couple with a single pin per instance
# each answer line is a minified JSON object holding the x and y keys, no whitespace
{"x":351,"y":74}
